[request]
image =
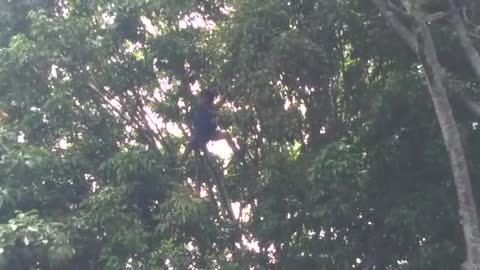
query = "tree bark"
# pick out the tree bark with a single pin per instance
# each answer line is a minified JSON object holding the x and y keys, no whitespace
{"x":436,"y":84}
{"x":425,"y":50}
{"x":466,"y":42}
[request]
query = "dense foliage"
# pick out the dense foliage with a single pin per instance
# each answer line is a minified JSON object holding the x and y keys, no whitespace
{"x":345,"y":166}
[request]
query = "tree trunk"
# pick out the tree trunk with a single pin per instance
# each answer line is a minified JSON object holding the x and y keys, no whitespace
{"x":436,"y":84}
{"x":436,"y":80}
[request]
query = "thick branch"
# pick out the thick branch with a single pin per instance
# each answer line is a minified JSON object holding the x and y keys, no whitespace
{"x":200,"y":163}
{"x":467,"y":44}
{"x":220,"y":183}
{"x":406,"y":34}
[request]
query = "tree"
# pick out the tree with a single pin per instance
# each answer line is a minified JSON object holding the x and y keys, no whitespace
{"x":423,"y":45}
{"x":345,"y":165}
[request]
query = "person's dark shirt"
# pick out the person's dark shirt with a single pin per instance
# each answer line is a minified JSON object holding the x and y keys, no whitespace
{"x":204,"y":121}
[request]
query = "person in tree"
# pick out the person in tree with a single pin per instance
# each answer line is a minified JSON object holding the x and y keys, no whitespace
{"x":204,"y":125}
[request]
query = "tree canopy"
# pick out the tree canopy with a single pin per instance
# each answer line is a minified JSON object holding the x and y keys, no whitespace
{"x":345,"y":165}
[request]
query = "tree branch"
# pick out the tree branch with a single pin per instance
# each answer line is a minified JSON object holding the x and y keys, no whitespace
{"x":467,"y":44}
{"x":403,"y":31}
{"x":473,"y":106}
{"x":220,"y":103}
{"x":220,"y":183}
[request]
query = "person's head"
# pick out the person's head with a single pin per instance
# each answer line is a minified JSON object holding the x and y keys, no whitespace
{"x":206,"y":97}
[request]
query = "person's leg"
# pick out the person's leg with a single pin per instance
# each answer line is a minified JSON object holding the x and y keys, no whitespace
{"x":192,"y":144}
{"x":224,"y":135}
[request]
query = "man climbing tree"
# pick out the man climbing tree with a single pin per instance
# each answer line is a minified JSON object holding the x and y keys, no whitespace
{"x":204,"y":125}
{"x":204,"y":129}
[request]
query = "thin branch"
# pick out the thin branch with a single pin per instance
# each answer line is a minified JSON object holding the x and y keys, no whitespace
{"x":144,"y":117}
{"x":220,"y":103}
{"x":473,"y":106}
{"x":143,"y":128}
{"x":107,"y":102}
{"x":183,"y":130}
{"x":474,"y":35}
{"x":133,"y":120}
{"x":436,"y":16}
